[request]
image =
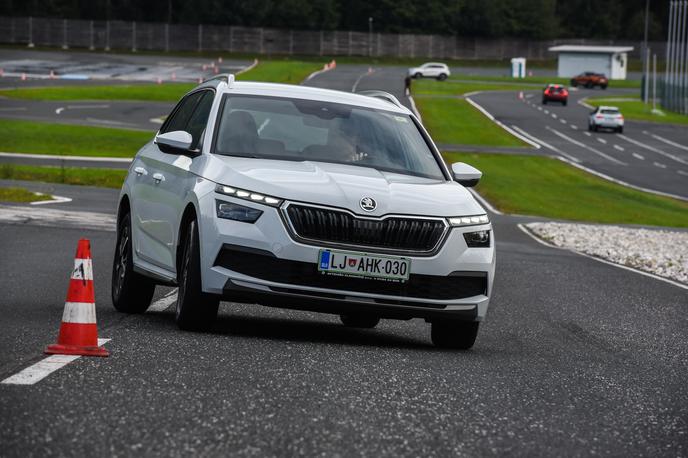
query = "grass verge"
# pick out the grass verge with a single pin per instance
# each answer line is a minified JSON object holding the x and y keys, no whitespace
{"x":63,"y":139}
{"x":277,"y":71}
{"x":452,"y":120}
{"x":105,"y":178}
{"x":13,"y":194}
{"x":633,"y":108}
{"x":542,"y":186}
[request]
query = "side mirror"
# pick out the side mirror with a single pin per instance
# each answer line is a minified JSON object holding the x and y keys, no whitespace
{"x":465,"y":174}
{"x":176,"y":142}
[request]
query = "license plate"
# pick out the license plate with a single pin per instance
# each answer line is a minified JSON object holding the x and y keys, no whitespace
{"x":364,"y":265}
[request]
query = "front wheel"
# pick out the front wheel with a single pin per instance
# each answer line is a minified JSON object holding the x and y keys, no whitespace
{"x":196,"y":310}
{"x":442,"y":77}
{"x":458,"y":335}
{"x":131,"y":292}
{"x":359,"y":321}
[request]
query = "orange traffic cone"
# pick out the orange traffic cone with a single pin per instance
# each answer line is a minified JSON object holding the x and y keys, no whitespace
{"x":78,"y":332}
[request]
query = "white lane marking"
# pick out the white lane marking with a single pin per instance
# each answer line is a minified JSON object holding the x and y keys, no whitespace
{"x":13,"y":109}
{"x":62,"y":218}
{"x":67,"y":158}
{"x":484,"y":202}
{"x":620,"y":148}
{"x":659,"y":164}
{"x":667,"y":141}
{"x":562,"y":120}
{"x":164,"y":302}
{"x":554,"y":116}
{"x":622,"y":183}
{"x":358,"y":80}
{"x":574,"y":127}
{"x":588,"y":134}
{"x":681,"y":172}
{"x":500,"y":124}
{"x":43,"y":368}
{"x":158,"y":120}
{"x":639,"y":156}
{"x":653,"y":149}
{"x":529,"y":95}
{"x":546,"y":111}
{"x":59,"y":110}
{"x":539,"y":108}
{"x":246,"y":69}
{"x":583,"y":145}
{"x":641,"y":272}
{"x":108,"y":122}
{"x":54,"y":200}
{"x":602,"y":140}
{"x":545,"y":144}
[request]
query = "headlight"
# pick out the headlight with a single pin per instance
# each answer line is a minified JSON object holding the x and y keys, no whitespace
{"x":469,"y":220}
{"x":478,"y":239}
{"x":248,"y":195}
{"x":236,"y":212}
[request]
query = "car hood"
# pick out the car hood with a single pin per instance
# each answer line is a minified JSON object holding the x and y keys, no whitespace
{"x":340,"y":185}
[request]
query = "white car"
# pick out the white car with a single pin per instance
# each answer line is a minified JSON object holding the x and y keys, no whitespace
{"x":430,"y":70}
{"x":304,"y":198}
{"x":607,"y":118}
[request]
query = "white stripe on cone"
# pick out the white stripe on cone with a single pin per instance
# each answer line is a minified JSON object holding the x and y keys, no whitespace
{"x":83,"y":269}
{"x":79,"y":312}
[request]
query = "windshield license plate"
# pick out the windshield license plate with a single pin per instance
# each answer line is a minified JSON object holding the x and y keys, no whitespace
{"x":364,"y":265}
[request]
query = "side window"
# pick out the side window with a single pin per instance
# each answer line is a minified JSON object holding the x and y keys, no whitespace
{"x":199,"y":118}
{"x":181,"y":115}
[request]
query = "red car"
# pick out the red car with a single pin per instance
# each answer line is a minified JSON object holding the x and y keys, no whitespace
{"x":555,"y":93}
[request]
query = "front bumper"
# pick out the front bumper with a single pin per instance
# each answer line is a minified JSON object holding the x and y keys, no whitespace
{"x":261,"y":263}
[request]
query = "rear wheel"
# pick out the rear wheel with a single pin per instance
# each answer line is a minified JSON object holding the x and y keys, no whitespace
{"x":589,"y":85}
{"x":359,"y":320}
{"x":196,"y":310}
{"x":418,"y":75}
{"x":620,"y":129}
{"x":459,"y":335}
{"x":564,"y":102}
{"x":442,"y":76}
{"x":604,"y":86}
{"x":131,"y":292}
{"x":544,"y":101}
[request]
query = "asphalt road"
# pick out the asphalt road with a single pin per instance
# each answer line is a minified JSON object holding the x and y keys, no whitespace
{"x":576,"y":358}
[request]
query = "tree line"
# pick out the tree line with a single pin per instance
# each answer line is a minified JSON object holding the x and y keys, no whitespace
{"x":535,"y":19}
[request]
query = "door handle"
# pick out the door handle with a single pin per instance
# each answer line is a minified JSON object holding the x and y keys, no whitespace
{"x":140,"y":171}
{"x":158,"y":177}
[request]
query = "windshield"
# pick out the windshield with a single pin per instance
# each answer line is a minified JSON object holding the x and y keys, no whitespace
{"x":610,"y":112}
{"x":305,"y":130}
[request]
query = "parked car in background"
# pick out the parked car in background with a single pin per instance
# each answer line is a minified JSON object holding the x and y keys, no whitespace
{"x":606,"y":118}
{"x":306,"y":198}
{"x":590,"y":80}
{"x":430,"y":70}
{"x":555,"y":93}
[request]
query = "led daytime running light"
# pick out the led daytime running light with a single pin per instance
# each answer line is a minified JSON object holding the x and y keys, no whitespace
{"x":248,"y":195}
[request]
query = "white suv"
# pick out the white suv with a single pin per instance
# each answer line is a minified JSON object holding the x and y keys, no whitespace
{"x":606,"y":118}
{"x":303,"y":198}
{"x":430,"y":70}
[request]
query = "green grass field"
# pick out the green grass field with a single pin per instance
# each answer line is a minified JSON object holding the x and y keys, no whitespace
{"x":13,"y":194}
{"x":278,"y":71}
{"x":634,"y":108}
{"x":63,"y":139}
{"x":452,"y":120}
{"x":534,"y":185}
{"x":105,"y":178}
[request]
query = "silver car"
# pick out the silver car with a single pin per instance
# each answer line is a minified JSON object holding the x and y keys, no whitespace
{"x":303,"y":198}
{"x":604,"y":117}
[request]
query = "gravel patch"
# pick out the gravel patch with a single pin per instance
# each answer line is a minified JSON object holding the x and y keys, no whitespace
{"x":660,"y":252}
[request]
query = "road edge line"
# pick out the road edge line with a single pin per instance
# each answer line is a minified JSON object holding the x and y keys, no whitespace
{"x":499,"y":123}
{"x":484,"y":201}
{"x":527,"y":231}
{"x":43,"y":368}
{"x":250,"y":67}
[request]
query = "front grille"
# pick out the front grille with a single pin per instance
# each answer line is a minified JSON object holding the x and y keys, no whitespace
{"x":342,"y":228}
{"x":264,"y":265}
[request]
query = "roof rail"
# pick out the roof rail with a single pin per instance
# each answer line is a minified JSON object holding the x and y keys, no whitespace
{"x":226,"y":77}
{"x":386,"y":96}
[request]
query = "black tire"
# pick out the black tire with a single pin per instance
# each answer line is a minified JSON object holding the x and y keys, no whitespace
{"x":196,"y":310}
{"x":131,"y":292}
{"x":360,"y":321}
{"x":604,"y":86}
{"x":564,"y":102}
{"x":418,"y":75}
{"x":574,"y":83}
{"x":544,"y":101}
{"x":595,"y":127}
{"x":589,"y":85}
{"x":442,"y":77}
{"x":620,"y":130}
{"x":458,"y":335}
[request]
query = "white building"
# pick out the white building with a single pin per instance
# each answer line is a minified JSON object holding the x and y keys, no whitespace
{"x":610,"y":60}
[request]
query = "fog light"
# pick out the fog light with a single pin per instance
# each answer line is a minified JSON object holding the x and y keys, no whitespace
{"x":228,"y":210}
{"x":478,"y":239}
